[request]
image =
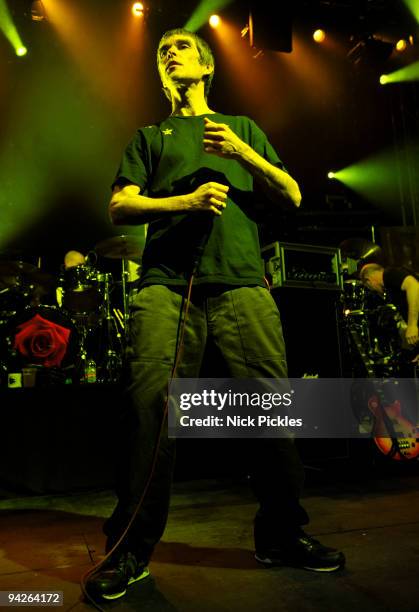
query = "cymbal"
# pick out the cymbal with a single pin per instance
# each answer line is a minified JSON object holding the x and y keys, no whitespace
{"x":18,"y":273}
{"x":120,"y":247}
{"x":359,"y":248}
{"x":13,"y":273}
{"x":41,"y":279}
{"x":15,"y":268}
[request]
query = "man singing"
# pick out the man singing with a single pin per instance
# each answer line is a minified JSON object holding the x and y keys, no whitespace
{"x":200,"y":179}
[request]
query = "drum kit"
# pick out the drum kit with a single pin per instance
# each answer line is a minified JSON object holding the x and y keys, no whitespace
{"x":78,"y":335}
{"x":373,"y":326}
{"x":68,"y":328}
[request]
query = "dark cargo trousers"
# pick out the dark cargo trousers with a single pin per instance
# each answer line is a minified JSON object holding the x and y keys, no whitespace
{"x":244,"y":326}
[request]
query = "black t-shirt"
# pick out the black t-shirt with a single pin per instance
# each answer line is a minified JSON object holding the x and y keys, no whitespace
{"x":393,"y":278}
{"x":168,"y":159}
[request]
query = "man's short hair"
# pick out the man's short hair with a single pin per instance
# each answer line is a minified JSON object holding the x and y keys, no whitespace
{"x":205,"y":54}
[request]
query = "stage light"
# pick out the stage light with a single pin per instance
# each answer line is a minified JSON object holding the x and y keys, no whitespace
{"x":9,"y":29}
{"x":214,"y":21}
{"x":374,"y":177}
{"x":319,"y":36}
{"x":38,"y":11}
{"x":203,"y":12}
{"x":407,"y":73}
{"x":138,"y":9}
{"x":401,"y":45}
{"x":331,"y":175}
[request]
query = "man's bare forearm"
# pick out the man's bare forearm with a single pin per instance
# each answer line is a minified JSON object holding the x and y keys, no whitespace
{"x":129,"y":207}
{"x":412,"y":295}
{"x":138,"y":209}
{"x":277,"y":184}
{"x":219,"y":139}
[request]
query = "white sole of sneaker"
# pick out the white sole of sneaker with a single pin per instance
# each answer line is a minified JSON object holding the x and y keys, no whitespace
{"x":267,"y":562}
{"x":322,"y":569}
{"x":145,"y":573}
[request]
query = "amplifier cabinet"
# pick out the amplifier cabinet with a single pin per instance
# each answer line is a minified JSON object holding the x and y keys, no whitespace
{"x":302,"y":265}
{"x":312,"y":331}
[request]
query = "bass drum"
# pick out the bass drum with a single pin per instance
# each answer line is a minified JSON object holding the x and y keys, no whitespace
{"x":45,"y":338}
{"x":385,"y":330}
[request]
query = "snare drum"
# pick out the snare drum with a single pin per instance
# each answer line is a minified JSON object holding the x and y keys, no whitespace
{"x":42,"y":336}
{"x":80,"y":290}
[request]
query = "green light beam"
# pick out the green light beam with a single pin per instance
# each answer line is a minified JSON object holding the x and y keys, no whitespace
{"x":53,"y":134}
{"x":203,"y":11}
{"x":9,"y":30}
{"x":413,"y":6}
{"x":407,"y":73}
{"x":379,"y":178}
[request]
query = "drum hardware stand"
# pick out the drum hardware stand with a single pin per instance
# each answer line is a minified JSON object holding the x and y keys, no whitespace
{"x":375,"y":362}
{"x":112,"y":363}
{"x":119,"y":317}
{"x":360,"y":337}
{"x":82,"y":329}
{"x":125,"y":276}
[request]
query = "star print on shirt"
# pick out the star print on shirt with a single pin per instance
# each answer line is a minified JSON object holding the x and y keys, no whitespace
{"x":168,"y":131}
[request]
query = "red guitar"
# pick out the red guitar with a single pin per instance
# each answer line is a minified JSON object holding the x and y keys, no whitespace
{"x":394,"y":435}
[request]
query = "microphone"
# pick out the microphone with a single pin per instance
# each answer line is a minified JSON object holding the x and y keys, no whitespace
{"x":207,"y":226}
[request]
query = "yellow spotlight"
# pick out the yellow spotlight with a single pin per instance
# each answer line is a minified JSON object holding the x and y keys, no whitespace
{"x":319,"y":36}
{"x":330,"y":175}
{"x":138,"y":9}
{"x":401,"y":45}
{"x":383,"y":79}
{"x":21,"y":51}
{"x":214,"y":21}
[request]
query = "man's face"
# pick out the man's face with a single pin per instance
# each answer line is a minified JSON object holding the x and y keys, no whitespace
{"x":179,"y":61}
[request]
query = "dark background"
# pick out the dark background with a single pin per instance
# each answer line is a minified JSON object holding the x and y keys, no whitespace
{"x":69,"y":107}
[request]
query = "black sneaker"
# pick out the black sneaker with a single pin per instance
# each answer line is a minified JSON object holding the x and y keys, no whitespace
{"x":115,"y":575}
{"x":302,"y":551}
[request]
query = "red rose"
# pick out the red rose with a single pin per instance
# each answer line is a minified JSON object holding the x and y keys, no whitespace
{"x":42,"y":342}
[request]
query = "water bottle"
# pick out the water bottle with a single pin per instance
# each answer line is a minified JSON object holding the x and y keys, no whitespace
{"x":90,"y":371}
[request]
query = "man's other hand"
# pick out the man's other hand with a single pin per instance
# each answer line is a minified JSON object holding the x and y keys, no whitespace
{"x":209,"y":196}
{"x":220,"y":139}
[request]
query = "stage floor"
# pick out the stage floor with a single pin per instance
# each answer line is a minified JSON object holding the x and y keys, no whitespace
{"x":205,"y":559}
